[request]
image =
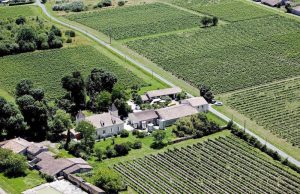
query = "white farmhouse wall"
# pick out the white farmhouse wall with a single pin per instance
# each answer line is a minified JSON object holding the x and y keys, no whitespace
{"x":109,"y":130}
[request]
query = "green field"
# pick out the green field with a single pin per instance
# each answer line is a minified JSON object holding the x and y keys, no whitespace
{"x":274,"y":106}
{"x":222,"y":165}
{"x":136,"y":21}
{"x":228,"y":10}
{"x":15,"y":11}
{"x":229,"y":57}
{"x":46,"y":68}
{"x":20,"y":184}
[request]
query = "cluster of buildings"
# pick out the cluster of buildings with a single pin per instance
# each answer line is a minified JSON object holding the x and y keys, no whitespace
{"x":108,"y":124}
{"x":41,"y":159}
{"x":294,"y":9}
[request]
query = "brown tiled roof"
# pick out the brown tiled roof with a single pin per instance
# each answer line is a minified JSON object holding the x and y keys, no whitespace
{"x":77,"y":167}
{"x":77,"y":160}
{"x":175,"y":112}
{"x":144,"y":98}
{"x":17,"y":145}
{"x":195,"y":101}
{"x":297,"y":8}
{"x":45,"y":156}
{"x":103,"y":120}
{"x":163,"y":92}
{"x":35,"y":148}
{"x":53,"y":166}
{"x":270,"y":2}
{"x":143,"y":116}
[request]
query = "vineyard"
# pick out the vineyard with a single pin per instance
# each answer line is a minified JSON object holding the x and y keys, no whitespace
{"x":228,"y":57}
{"x":46,"y":68}
{"x":135,"y":21}
{"x":229,"y":10}
{"x":275,"y":106}
{"x":15,"y":11}
{"x":224,"y":165}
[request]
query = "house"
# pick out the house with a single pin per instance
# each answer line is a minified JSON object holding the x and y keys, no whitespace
{"x":142,"y":118}
{"x":22,"y":146}
{"x":197,"y":102}
{"x":154,"y":94}
{"x":62,"y":166}
{"x":272,"y":3}
{"x":106,"y":124}
{"x":4,"y":2}
{"x":295,"y":10}
{"x":168,"y":116}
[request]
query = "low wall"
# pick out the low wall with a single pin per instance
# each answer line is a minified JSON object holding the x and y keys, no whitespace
{"x":84,"y":185}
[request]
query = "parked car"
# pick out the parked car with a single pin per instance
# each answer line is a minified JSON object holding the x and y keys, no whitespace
{"x":218,"y":103}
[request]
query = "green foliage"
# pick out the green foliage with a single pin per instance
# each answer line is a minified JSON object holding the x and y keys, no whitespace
{"x":98,"y":153}
{"x":88,"y":134}
{"x":124,"y":133}
{"x":134,"y":21}
{"x":158,"y":137}
{"x":75,"y":6}
{"x":121,"y":2}
{"x":103,"y":101}
{"x":13,"y":165}
{"x":16,"y":11}
{"x":122,"y":149}
{"x":137,"y":145}
{"x":216,"y":160}
{"x":274,"y":106}
{"x":109,"y":180}
{"x":61,"y":122}
{"x":230,"y":57}
{"x":11,"y":120}
{"x":229,"y":10}
{"x":55,"y":64}
{"x":70,"y":33}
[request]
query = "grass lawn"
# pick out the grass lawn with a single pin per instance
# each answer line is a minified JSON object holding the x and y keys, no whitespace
{"x":6,"y":95}
{"x":20,"y":10}
{"x":20,"y":184}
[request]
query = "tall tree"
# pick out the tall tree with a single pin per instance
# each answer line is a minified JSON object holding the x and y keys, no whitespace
{"x":206,"y":93}
{"x":24,"y":87}
{"x":88,"y":134}
{"x":103,"y":101}
{"x":76,"y":87}
{"x":61,"y":122}
{"x":11,"y":120}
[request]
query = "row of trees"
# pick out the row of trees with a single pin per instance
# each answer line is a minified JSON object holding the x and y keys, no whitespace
{"x":27,"y":36}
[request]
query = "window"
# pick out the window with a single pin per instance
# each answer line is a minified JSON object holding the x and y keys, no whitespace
{"x":104,"y":131}
{"x":111,"y":130}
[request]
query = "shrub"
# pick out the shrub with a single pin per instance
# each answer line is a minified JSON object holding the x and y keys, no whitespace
{"x":121,"y":3}
{"x":106,"y":3}
{"x":141,"y":134}
{"x":215,"y":21}
{"x":13,"y":165}
{"x":135,"y":132}
{"x":137,"y":145}
{"x":109,"y":180}
{"x":69,"y":40}
{"x":122,"y":149}
{"x":109,"y":152}
{"x":20,"y":20}
{"x":70,"y":33}
{"x":124,"y":133}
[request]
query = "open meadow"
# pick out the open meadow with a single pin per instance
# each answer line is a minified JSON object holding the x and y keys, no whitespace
{"x":46,"y":68}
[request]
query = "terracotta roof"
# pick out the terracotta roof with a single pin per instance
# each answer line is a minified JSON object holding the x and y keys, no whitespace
{"x":175,"y":112}
{"x":142,"y":116}
{"x":103,"y":120}
{"x":163,"y":92}
{"x":195,"y":101}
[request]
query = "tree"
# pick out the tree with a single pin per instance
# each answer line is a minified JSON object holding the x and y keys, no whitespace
{"x":26,"y":39}
{"x":206,"y":93}
{"x":103,"y":101}
{"x":88,"y":134}
{"x":215,"y":21}
{"x":61,"y":122}
{"x":98,"y":153}
{"x":20,"y":20}
{"x":37,"y":93}
{"x":122,"y":149}
{"x":159,"y":137}
{"x":137,"y":98}
{"x":206,"y":21}
{"x":11,"y":120}
{"x":123,"y":107}
{"x":56,"y":30}
{"x":182,"y":95}
{"x":13,"y":165}
{"x":109,"y":180}
{"x":119,"y":92}
{"x":24,"y":87}
{"x":76,"y":87}
{"x":124,"y":133}
{"x":44,"y":1}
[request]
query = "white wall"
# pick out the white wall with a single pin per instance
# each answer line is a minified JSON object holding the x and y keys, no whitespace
{"x":110,"y":130}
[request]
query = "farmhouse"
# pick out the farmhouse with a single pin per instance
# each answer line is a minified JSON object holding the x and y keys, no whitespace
{"x":106,"y":124}
{"x":43,"y":160}
{"x":170,"y":92}
{"x":141,"y":119}
{"x":168,"y":116}
{"x":197,"y":102}
{"x":296,"y":10}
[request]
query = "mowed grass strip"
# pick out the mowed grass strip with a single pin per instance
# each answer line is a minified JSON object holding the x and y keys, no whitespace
{"x":228,"y":10}
{"x":275,"y":106}
{"x":46,"y":68}
{"x":136,"y":21}
{"x":228,"y":57}
{"x":15,"y":11}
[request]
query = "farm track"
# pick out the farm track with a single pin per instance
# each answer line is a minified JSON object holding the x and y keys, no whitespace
{"x":142,"y":66}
